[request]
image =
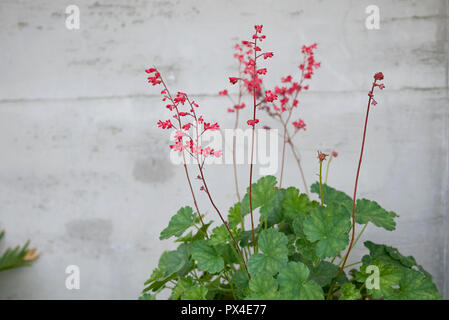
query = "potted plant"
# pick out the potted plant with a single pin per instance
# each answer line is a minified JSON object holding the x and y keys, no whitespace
{"x":298,"y":248}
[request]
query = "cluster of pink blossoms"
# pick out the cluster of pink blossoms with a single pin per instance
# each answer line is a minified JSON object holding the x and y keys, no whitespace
{"x":247,"y":53}
{"x":288,"y":92}
{"x":377,"y":77}
{"x":188,"y":126}
{"x":299,"y":124}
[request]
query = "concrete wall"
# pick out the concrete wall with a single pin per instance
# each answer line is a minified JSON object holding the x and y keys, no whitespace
{"x":84,"y":171}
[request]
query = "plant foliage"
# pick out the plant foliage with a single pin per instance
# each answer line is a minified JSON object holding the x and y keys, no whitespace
{"x":299,"y":247}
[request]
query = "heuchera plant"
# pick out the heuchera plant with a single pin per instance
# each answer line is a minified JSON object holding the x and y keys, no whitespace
{"x":300,"y":247}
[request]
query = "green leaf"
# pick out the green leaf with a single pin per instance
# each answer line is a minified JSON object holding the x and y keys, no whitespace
{"x":294,"y":283}
{"x":273,"y":212}
{"x":182,"y":285}
{"x":388,"y":276}
{"x":195,"y":293}
{"x":245,"y":238}
{"x":333,"y":196}
{"x":273,"y":245}
{"x":306,"y":249}
{"x":369,"y":211}
{"x":366,"y":210}
{"x":329,"y":226}
{"x":263,"y":194}
{"x":350,"y":292}
{"x":263,"y":287}
{"x":296,"y":205}
{"x":207,"y":257}
{"x":157,"y":274}
{"x":147,"y":296}
{"x":179,"y":223}
{"x":241,"y":281}
{"x":199,"y":235}
{"x":220,"y":235}
{"x":235,"y":216}
{"x":15,"y":258}
{"x":391,"y":255}
{"x":324,"y":273}
{"x":158,"y":285}
{"x":174,"y":261}
{"x":415,"y":286}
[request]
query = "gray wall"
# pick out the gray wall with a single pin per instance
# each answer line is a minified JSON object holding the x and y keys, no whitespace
{"x":84,"y":171}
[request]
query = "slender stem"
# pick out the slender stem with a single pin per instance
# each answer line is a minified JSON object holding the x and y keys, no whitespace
{"x":321,"y":184}
{"x":298,"y":161}
{"x":283,"y":156}
{"x":252,"y":146}
{"x":184,"y":158}
{"x":356,"y":239}
{"x":353,"y":264}
{"x":230,"y":283}
{"x":221,"y":217}
{"x":234,"y":138}
{"x":234,"y":145}
{"x":355,"y":195}
{"x":327,"y":169}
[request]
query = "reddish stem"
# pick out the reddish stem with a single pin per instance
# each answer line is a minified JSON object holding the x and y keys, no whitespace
{"x":184,"y":159}
{"x":252,"y":146}
{"x":221,"y":217}
{"x":355,"y":195}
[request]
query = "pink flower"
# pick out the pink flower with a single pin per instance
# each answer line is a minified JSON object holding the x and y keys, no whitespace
{"x":299,"y":124}
{"x":231,"y":110}
{"x":373,"y":102}
{"x":258,"y":28}
{"x":164,"y":125}
{"x":179,"y":134}
{"x":208,"y":126}
{"x":267,"y":55}
{"x":178,"y":146}
{"x":233,"y":80}
{"x":269,"y":96}
{"x":262,"y":71}
{"x":334,"y":154}
{"x":252,"y":122}
{"x":151,"y":70}
{"x":180,"y":98}
{"x":186,"y":126}
{"x":381,"y":86}
{"x":241,"y":106}
{"x":379,"y":76}
{"x":218,"y":153}
{"x":223,"y":93}
{"x":286,"y":79}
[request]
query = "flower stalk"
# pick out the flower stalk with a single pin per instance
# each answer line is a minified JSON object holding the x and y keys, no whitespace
{"x":378,"y":76}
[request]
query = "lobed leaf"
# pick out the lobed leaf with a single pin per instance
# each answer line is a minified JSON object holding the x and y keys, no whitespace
{"x":274,"y":256}
{"x":263,"y":287}
{"x":329,"y":226}
{"x":263,"y":194}
{"x":350,"y":292}
{"x":207,"y":257}
{"x":179,"y":223}
{"x":294,"y":283}
{"x":195,"y":293}
{"x":369,"y":211}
